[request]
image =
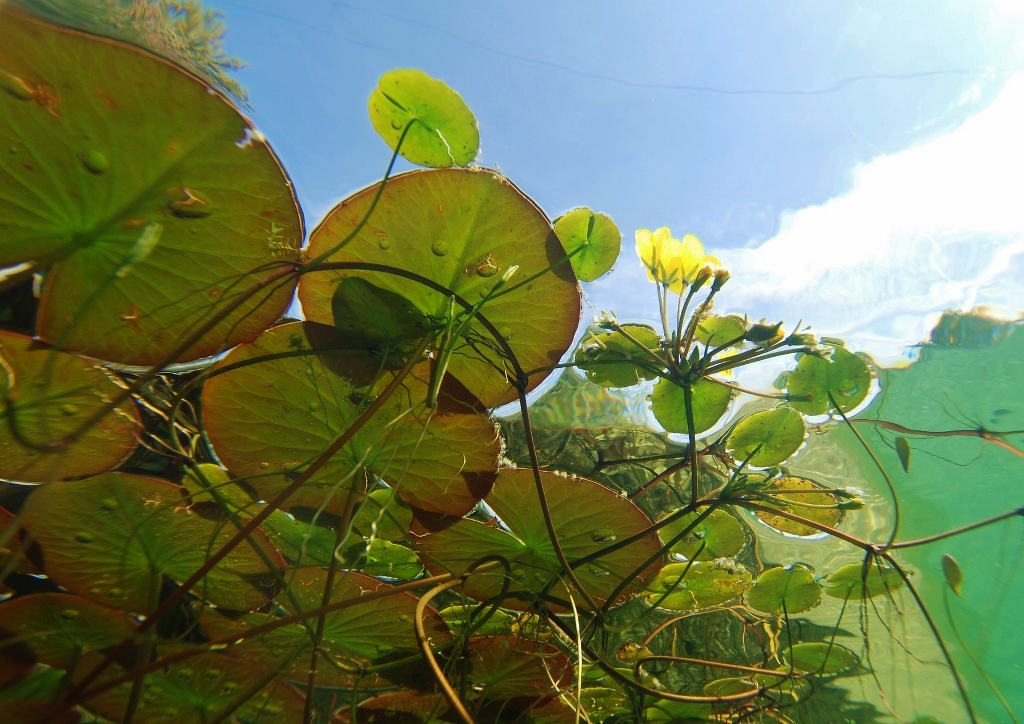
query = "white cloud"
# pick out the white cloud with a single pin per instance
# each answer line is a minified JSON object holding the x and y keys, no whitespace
{"x":936,"y":226}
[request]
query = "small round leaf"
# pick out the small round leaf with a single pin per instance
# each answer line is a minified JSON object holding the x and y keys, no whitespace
{"x":599,"y":238}
{"x":820,"y":657}
{"x":721,"y":534}
{"x":846,"y":378}
{"x":767,"y":437}
{"x":710,"y":401}
{"x":787,"y":495}
{"x":791,"y":589}
{"x":856,"y":581}
{"x":610,"y":359}
{"x":443,"y":131}
{"x":705,"y":585}
{"x":717,"y":331}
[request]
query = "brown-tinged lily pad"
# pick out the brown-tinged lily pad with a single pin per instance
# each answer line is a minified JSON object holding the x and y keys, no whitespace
{"x":792,"y":495}
{"x":45,"y":395}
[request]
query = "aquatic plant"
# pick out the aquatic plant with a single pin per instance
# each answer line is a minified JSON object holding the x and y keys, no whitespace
{"x":228,"y":515}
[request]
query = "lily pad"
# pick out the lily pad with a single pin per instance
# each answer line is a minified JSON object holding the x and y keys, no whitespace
{"x":705,"y":585}
{"x":792,"y":588}
{"x":720,"y":533}
{"x":677,"y":712}
{"x":149,"y":199}
{"x":710,"y":401}
{"x":14,"y":553}
{"x":856,"y":581}
{"x":462,"y":229}
{"x":444,"y":131}
{"x":599,"y":238}
{"x":286,"y":396}
{"x":383,"y":514}
{"x":587,"y":517}
{"x":197,"y":689}
{"x":768,"y":437}
{"x":25,"y":699}
{"x":384,"y":559}
{"x":403,"y":707}
{"x":369,"y":317}
{"x":503,"y":667}
{"x":610,"y":358}
{"x":46,"y":395}
{"x":847,"y":378}
{"x":458,"y":616}
{"x":56,"y":628}
{"x":353,"y":638}
{"x":818,"y":507}
{"x":717,"y":331}
{"x":820,"y":657}
{"x":114,"y":537}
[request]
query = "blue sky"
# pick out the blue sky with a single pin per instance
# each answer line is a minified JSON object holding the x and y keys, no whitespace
{"x":736,"y":121}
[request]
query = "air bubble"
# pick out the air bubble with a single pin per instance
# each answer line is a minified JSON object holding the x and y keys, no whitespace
{"x":384,"y":243}
{"x":69,"y":614}
{"x":68,"y":409}
{"x":115,"y":592}
{"x":519,"y":574}
{"x":95,"y":162}
{"x":108,"y":504}
{"x":440,"y":248}
{"x":397,"y":125}
{"x":598,"y":571}
{"x":505,"y":332}
{"x":83,"y":536}
{"x":603,"y":535}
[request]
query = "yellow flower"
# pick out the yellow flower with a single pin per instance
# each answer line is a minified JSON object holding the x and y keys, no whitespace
{"x":670,"y":261}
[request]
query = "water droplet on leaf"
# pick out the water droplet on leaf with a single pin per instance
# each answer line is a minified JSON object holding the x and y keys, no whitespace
{"x":69,"y":614}
{"x":602,"y":535}
{"x":384,"y":243}
{"x":189,"y":204}
{"x":505,"y":332}
{"x":83,"y":536}
{"x":68,"y":409}
{"x":114,"y":592}
{"x":440,"y":248}
{"x":598,"y":571}
{"x":95,"y":162}
{"x":487,"y":268}
{"x":108,"y":504}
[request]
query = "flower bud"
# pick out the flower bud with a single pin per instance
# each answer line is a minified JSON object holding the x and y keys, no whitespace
{"x":702,"y":277}
{"x":721,"y":277}
{"x":763,"y":333}
{"x":805,"y":339}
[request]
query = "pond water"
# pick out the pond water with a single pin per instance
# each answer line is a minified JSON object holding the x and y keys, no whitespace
{"x":854,"y":165}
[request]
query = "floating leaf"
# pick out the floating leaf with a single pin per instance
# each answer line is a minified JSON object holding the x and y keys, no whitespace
{"x":115,"y":536}
{"x":150,"y":200}
{"x":820,"y":657}
{"x":25,"y":699}
{"x":903,"y":450}
{"x":197,"y":690}
{"x":443,"y":132}
{"x":369,"y":317}
{"x":296,"y":388}
{"x":855,"y":581}
{"x":384,"y":515}
{"x":720,"y":533}
{"x":354,"y":637}
{"x":717,"y":331}
{"x":767,"y":437}
{"x":789,"y":589}
{"x":951,"y":570}
{"x":677,"y":712}
{"x":498,"y":623}
{"x":847,"y":378}
{"x":819,"y":507}
{"x":577,"y":506}
{"x":56,"y":628}
{"x":503,"y":667}
{"x":610,"y":358}
{"x":710,"y":401}
{"x":728,"y":686}
{"x":599,"y":238}
{"x":383,"y":558}
{"x":462,"y":229}
{"x":700,"y":585}
{"x":46,"y":395}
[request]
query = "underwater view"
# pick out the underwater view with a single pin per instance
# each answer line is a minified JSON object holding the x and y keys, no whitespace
{"x":525,"y":362}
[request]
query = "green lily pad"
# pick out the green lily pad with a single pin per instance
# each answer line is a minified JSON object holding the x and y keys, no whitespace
{"x":599,"y":237}
{"x":369,"y":317}
{"x":720,"y":533}
{"x":503,"y":667}
{"x":44,"y":396}
{"x":459,"y":615}
{"x":463,"y":229}
{"x":677,"y":712}
{"x":587,"y":517}
{"x":854,"y":581}
{"x":353,"y":638}
{"x":822,"y":510}
{"x":790,"y":587}
{"x":710,"y":401}
{"x":113,"y":538}
{"x":705,"y":585}
{"x":444,"y":131}
{"x":383,"y":514}
{"x":820,"y":657}
{"x":290,"y":393}
{"x":716,"y":331}
{"x":847,"y":378}
{"x":383,"y":558}
{"x":56,"y":628}
{"x":609,"y":358}
{"x":150,"y":200}
{"x":196,"y":690}
{"x":773,"y":434}
{"x":728,"y":686}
